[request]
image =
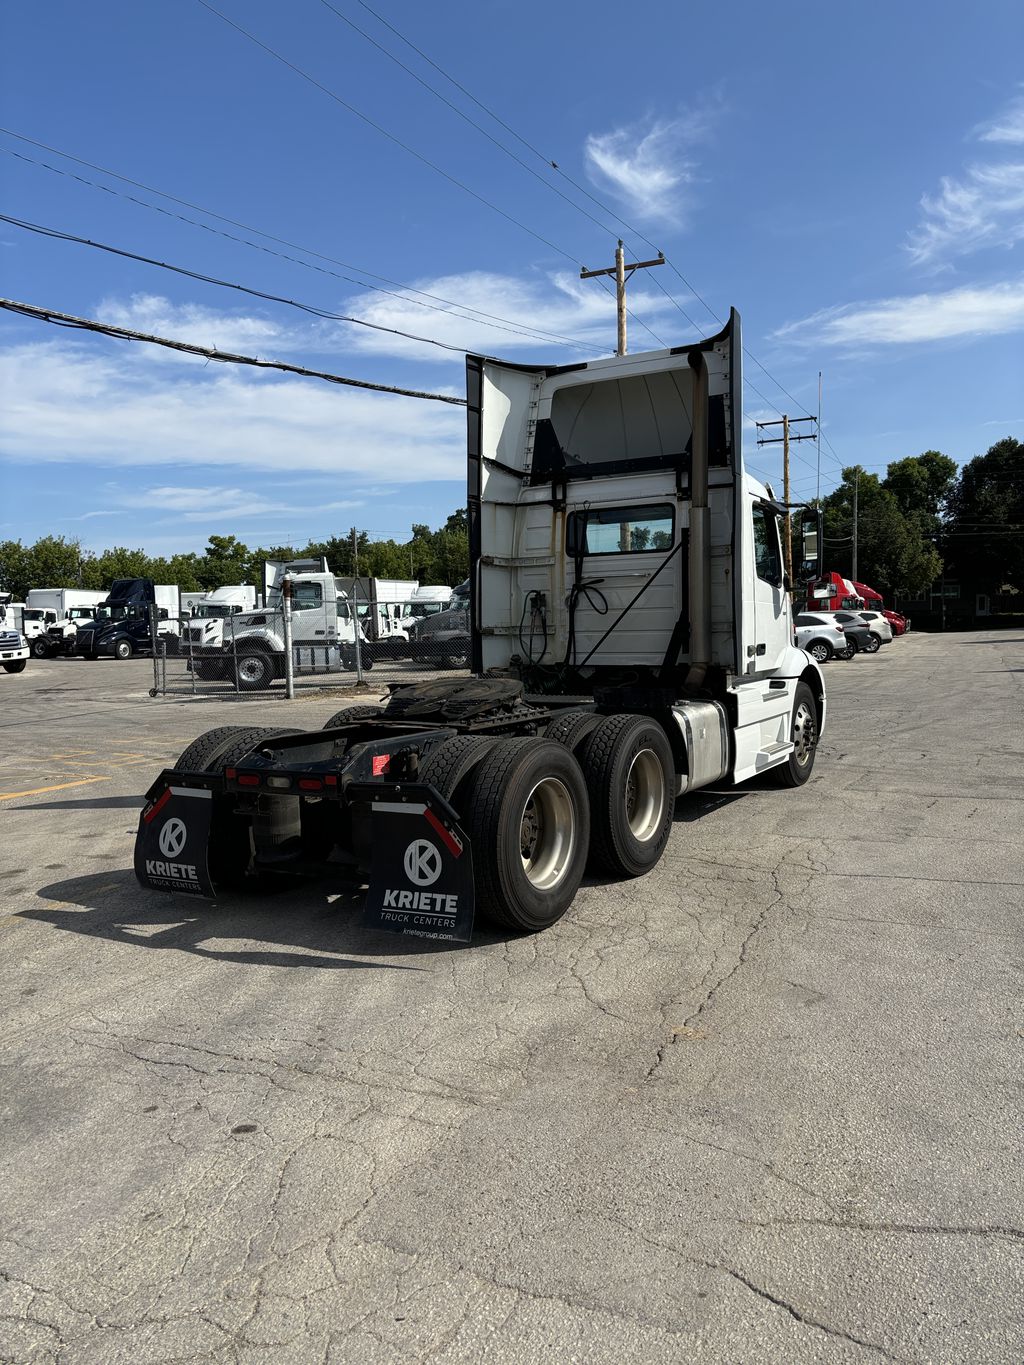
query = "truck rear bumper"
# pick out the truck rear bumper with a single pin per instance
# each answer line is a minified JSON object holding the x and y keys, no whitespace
{"x":417,"y":863}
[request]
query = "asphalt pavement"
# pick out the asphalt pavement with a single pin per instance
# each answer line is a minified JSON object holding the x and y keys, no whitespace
{"x":762,"y":1105}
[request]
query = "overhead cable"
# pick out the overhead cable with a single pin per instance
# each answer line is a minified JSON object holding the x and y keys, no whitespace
{"x":226,"y":284}
{"x":471,"y":314}
{"x":110,"y":329}
{"x":372,"y":123}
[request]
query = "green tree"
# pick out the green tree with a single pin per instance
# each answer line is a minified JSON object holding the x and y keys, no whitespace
{"x":54,"y":562}
{"x":225,"y":560}
{"x":894,"y":555}
{"x":120,"y":562}
{"x":921,"y":484}
{"x":14,"y":570}
{"x":984,"y":531}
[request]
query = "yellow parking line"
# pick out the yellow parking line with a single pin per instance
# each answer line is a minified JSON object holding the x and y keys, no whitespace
{"x":60,"y":786}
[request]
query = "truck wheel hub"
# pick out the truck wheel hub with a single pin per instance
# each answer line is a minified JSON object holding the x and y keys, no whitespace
{"x":645,"y":795}
{"x":547,"y":833}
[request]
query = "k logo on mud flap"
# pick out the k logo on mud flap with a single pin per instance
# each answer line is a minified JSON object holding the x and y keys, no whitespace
{"x":172,"y":837}
{"x":422,"y":862}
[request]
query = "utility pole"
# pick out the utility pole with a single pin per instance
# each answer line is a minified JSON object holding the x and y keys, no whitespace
{"x":785,"y":422}
{"x":856,"y":491}
{"x":619,"y":270}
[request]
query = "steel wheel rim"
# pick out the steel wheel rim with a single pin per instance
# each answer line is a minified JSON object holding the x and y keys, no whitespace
{"x":645,"y":795}
{"x":547,"y":833}
{"x":250,"y":670}
{"x":803,"y":734}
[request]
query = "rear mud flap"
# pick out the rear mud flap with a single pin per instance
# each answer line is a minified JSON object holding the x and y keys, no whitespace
{"x":172,"y":842}
{"x":421,"y":880}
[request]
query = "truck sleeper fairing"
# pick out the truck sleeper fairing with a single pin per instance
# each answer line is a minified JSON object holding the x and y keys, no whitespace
{"x":556,"y":454}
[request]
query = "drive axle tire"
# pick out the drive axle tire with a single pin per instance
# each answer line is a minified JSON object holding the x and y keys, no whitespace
{"x":40,"y":649}
{"x":571,"y":728}
{"x":452,"y":762}
{"x":528,"y":818}
{"x":350,"y":713}
{"x":804,"y":734}
{"x":630,"y":773}
{"x":229,"y":849}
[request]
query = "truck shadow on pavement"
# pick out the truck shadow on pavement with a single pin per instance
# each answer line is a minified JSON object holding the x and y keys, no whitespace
{"x":298,"y":927}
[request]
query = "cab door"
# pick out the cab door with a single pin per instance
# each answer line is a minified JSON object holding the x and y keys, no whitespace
{"x":772,"y":630}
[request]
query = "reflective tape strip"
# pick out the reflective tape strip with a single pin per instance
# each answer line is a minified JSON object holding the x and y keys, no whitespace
{"x":157,"y":806}
{"x":448,"y":839}
{"x":192,"y":791}
{"x":400,"y":807}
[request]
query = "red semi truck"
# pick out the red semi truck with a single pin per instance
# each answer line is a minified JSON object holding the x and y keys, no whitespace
{"x":833,"y":592}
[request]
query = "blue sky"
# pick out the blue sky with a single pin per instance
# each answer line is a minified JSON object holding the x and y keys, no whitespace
{"x":851,"y":178}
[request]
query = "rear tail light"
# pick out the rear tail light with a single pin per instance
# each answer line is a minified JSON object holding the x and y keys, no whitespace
{"x":249,"y":780}
{"x":310,"y":784}
{"x":841,"y":629}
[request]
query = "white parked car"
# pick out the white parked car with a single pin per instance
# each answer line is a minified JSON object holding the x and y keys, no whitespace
{"x":822,"y":640}
{"x":878,"y":625}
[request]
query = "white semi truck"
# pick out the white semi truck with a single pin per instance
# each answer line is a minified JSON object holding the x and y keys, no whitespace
{"x":380,"y":605}
{"x":13,"y":648}
{"x":249,"y":646}
{"x":631,"y":639}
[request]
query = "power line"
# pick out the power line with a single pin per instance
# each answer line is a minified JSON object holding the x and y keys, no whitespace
{"x":552,"y":164}
{"x":51,"y":315}
{"x":372,"y":123}
{"x":477,"y":313}
{"x":227,"y":284}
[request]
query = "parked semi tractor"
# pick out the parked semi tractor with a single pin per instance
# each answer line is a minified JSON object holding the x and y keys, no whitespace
{"x":122,"y":624}
{"x":13,"y":647}
{"x":249,"y":646}
{"x":631,"y":639}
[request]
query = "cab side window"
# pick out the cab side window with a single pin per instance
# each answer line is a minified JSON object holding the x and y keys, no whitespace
{"x":767,"y":559}
{"x":305,"y":596}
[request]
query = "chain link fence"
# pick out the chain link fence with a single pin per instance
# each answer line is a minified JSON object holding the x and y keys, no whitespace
{"x":290,"y":651}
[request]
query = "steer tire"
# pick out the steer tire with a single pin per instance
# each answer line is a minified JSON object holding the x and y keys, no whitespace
{"x":452,"y":762}
{"x":124,"y":649}
{"x":15,"y":666}
{"x":351,"y":713}
{"x":571,"y":728}
{"x":804,"y":734}
{"x":40,"y":648}
{"x":630,"y":773}
{"x":255,"y":671}
{"x":527,"y":793}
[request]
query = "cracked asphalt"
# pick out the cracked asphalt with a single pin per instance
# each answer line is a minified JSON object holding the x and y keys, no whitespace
{"x":761,"y":1105}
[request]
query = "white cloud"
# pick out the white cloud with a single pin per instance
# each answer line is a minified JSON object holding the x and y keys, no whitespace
{"x":102,"y":402}
{"x":1005,"y":127}
{"x":240,"y":504}
{"x":986,"y":208}
{"x":561,"y":304}
{"x":648,"y":167}
{"x":191,"y":322}
{"x":982,"y":310}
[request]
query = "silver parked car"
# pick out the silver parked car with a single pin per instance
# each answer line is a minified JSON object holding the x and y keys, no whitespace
{"x":822,"y":640}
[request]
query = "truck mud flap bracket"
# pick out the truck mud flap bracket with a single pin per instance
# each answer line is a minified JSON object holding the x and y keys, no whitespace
{"x":173,"y":839}
{"x":421,"y":876}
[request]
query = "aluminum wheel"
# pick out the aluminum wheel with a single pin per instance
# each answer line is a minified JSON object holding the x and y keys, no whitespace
{"x":645,"y":795}
{"x":547,"y":833}
{"x":804,"y":732}
{"x":820,"y":652}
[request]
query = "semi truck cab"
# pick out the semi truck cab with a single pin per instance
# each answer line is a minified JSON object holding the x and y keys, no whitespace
{"x":631,"y":637}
